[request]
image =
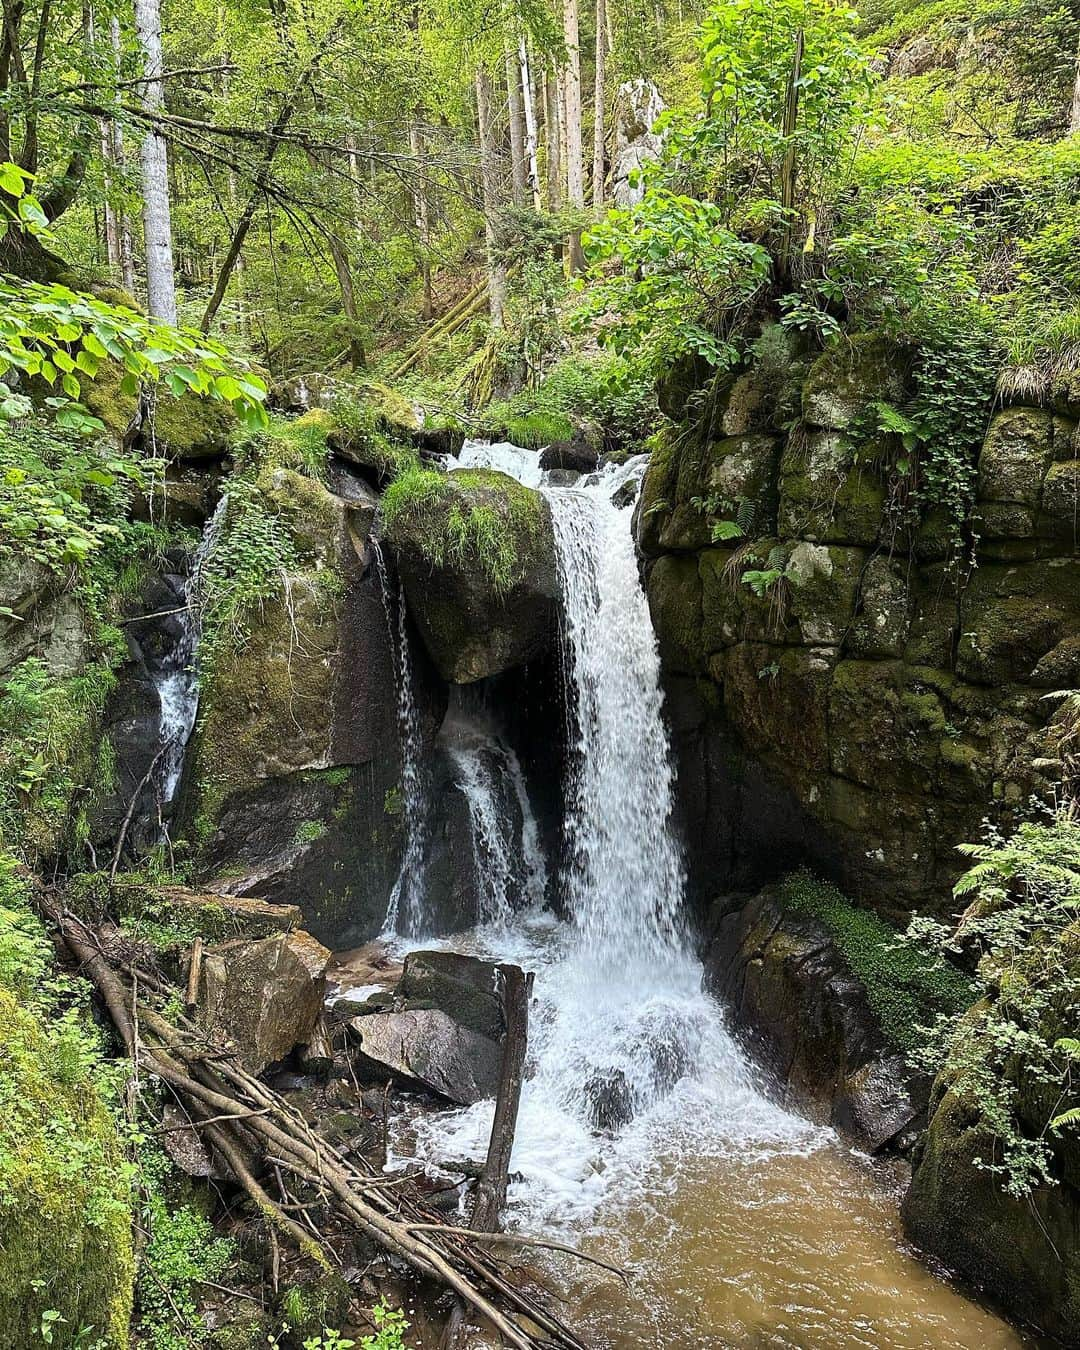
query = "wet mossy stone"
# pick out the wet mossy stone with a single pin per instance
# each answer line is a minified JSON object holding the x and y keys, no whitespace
{"x":476,"y":554}
{"x":1012,"y":616}
{"x":189,"y":427}
{"x":831,"y":489}
{"x":852,"y":374}
{"x":65,"y":1199}
{"x":1015,"y":456}
{"x":674,"y":594}
{"x":657,"y":497}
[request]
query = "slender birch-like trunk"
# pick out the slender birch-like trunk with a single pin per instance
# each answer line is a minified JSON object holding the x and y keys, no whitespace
{"x":157,"y":216}
{"x":1074,"y":115}
{"x":489,"y":180}
{"x":515,"y":99}
{"x":575,"y":165}
{"x":599,"y":100}
{"x":529,"y":101}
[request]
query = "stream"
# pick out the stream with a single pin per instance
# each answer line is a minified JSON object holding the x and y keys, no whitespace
{"x":644,"y":1134}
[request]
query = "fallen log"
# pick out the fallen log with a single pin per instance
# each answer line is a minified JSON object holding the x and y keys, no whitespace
{"x":243,"y":1119}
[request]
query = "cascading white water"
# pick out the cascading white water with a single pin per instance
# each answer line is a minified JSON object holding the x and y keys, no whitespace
{"x":625,"y":1047}
{"x":507,"y":857}
{"x":178,"y":684}
{"x":404,"y":912}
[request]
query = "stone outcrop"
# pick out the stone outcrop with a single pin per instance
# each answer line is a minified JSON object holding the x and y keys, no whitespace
{"x":440,"y":1030}
{"x":263,"y":997}
{"x":826,"y":667}
{"x":292,"y":778}
{"x":477,"y":559}
{"x":807,"y":1021}
{"x":1024,"y":1249}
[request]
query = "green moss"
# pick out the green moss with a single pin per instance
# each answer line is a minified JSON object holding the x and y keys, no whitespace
{"x":905,"y":988}
{"x":191,"y":427}
{"x":65,"y":1195}
{"x":309,"y":832}
{"x":473,"y":517}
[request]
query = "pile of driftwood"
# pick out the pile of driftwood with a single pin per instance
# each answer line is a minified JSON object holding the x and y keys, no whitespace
{"x":257,"y":1134}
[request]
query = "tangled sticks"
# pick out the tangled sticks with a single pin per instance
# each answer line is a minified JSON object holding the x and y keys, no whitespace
{"x":244,"y":1120}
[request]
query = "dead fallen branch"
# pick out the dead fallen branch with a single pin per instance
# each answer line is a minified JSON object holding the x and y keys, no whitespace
{"x":246,"y":1123}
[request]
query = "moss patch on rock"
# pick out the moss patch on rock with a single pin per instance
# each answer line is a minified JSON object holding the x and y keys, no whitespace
{"x":905,"y":988}
{"x":65,"y":1202}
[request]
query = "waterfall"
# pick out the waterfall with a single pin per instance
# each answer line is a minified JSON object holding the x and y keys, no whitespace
{"x":405,"y":910}
{"x":622,"y":877}
{"x":178,"y":683}
{"x":507,"y":857}
{"x":627,"y":1055}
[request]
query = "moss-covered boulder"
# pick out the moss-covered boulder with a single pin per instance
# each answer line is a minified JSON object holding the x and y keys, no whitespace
{"x":293,"y":780}
{"x":853,"y":373}
{"x":1015,"y":456}
{"x":476,"y":553}
{"x":189,"y":428}
{"x":65,"y":1199}
{"x":831,"y":490}
{"x":1023,"y":1248}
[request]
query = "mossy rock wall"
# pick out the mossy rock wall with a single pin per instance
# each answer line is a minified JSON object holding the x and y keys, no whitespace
{"x":871,"y":700}
{"x":65,"y":1202}
{"x":292,"y":786}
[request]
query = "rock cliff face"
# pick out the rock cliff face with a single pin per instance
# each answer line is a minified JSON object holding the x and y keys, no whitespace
{"x":293,"y":778}
{"x":839,"y":690}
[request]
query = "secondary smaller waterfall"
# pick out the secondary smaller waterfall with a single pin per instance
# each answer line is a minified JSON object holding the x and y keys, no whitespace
{"x":405,"y":910}
{"x":508,"y":860}
{"x":178,"y":685}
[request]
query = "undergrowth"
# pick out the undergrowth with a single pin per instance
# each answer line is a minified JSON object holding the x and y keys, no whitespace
{"x":904,"y":988}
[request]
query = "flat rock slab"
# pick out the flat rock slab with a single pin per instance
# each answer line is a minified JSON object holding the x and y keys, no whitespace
{"x":426,"y":1050}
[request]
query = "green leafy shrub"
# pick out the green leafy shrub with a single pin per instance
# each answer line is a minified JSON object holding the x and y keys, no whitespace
{"x":182,"y":1252}
{"x":1010,"y":1058}
{"x":905,"y":986}
{"x":65,"y":1190}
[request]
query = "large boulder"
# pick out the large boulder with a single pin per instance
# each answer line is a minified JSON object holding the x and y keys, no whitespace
{"x":427,"y":1051}
{"x":791,"y":994}
{"x":263,"y":997}
{"x":441,"y":1029}
{"x":292,"y":785}
{"x":476,"y":553}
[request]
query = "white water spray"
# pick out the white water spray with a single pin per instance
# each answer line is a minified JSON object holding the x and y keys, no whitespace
{"x":178,"y":686}
{"x":404,"y":912}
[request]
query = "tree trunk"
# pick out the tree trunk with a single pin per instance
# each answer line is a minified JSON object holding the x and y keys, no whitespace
{"x":117,"y":157}
{"x":599,"y":172}
{"x":489,"y":178}
{"x":529,"y":108}
{"x":553,"y":139}
{"x":157,"y":218}
{"x":516,"y":102}
{"x":422,"y":207}
{"x":575,"y":167}
{"x":790,"y":168}
{"x":1074,"y":115}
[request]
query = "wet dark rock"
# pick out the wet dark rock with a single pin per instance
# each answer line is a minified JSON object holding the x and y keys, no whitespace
{"x":610,"y":1100}
{"x":563,"y":478}
{"x":426,"y":1050}
{"x":464,"y":987}
{"x":580,"y":454}
{"x":792,"y":998}
{"x":626,"y":495}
